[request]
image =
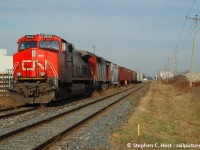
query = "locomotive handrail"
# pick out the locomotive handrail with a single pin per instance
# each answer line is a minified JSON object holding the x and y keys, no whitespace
{"x":15,"y":66}
{"x":54,"y":71}
{"x":10,"y":78}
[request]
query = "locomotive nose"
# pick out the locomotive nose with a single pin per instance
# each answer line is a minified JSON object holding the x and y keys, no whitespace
{"x":32,"y":64}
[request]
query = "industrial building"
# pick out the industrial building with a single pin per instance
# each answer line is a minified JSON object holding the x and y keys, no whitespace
{"x":165,"y":74}
{"x":195,"y":76}
{"x":6,"y":63}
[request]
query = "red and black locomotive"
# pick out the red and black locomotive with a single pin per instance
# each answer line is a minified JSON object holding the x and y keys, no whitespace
{"x":47,"y":67}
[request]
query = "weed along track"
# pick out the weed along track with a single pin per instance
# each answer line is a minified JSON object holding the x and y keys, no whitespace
{"x":44,"y":133}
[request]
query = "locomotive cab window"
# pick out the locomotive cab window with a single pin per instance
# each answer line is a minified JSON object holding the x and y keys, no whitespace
{"x":27,"y":44}
{"x":50,"y":44}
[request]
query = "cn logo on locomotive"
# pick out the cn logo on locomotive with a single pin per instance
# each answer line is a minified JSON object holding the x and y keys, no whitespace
{"x":31,"y":65}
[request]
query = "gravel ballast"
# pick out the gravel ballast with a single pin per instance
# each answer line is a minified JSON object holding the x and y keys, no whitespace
{"x":97,"y":134}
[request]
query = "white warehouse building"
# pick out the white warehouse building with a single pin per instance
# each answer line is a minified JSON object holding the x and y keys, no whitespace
{"x":6,"y":64}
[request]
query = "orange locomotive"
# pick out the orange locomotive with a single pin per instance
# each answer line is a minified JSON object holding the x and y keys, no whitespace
{"x":46,"y":68}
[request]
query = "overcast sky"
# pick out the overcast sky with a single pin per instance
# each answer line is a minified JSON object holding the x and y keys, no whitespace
{"x":137,"y":34}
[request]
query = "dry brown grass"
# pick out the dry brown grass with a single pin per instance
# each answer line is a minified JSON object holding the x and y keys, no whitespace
{"x":110,"y":90}
{"x":167,"y":114}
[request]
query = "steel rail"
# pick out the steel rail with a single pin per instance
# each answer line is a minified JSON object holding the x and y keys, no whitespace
{"x":59,"y":136}
{"x":11,"y":108}
{"x":23,"y":129}
{"x":16,"y":113}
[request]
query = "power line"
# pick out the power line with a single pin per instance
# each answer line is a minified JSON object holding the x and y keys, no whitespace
{"x":181,"y":33}
{"x":184,"y":23}
{"x":188,"y":35}
{"x":190,"y":8}
{"x":198,"y":12}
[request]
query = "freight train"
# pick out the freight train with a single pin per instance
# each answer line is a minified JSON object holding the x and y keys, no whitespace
{"x":47,"y":68}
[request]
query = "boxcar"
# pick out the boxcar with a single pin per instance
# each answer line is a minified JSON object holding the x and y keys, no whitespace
{"x":123,"y":74}
{"x":134,"y":77}
{"x":112,"y":73}
{"x":139,"y":77}
{"x":130,"y":76}
{"x":127,"y":75}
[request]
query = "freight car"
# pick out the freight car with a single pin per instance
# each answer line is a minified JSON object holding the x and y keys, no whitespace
{"x":113,"y":73}
{"x":140,"y":77}
{"x":125,"y":75}
{"x":134,"y":77}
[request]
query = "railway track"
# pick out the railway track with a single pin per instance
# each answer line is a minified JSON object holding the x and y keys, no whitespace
{"x":54,"y":128}
{"x":15,"y":111}
{"x":19,"y":121}
{"x":11,"y":108}
{"x":10,"y":112}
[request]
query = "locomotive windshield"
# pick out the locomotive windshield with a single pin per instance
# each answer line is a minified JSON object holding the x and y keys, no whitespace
{"x":27,"y":44}
{"x":49,"y":44}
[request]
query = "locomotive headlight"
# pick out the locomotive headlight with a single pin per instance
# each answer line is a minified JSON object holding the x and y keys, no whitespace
{"x":42,"y":74}
{"x":19,"y":74}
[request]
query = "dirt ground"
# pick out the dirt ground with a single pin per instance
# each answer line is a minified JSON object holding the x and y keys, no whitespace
{"x":168,"y":116}
{"x":6,"y":102}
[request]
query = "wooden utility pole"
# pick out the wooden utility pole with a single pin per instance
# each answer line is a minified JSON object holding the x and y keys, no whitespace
{"x":167,"y":69}
{"x":175,"y":62}
{"x":166,"y":72}
{"x":193,"y":46}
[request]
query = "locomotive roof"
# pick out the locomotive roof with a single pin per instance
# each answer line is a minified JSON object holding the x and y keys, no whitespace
{"x":28,"y":36}
{"x":86,"y":53}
